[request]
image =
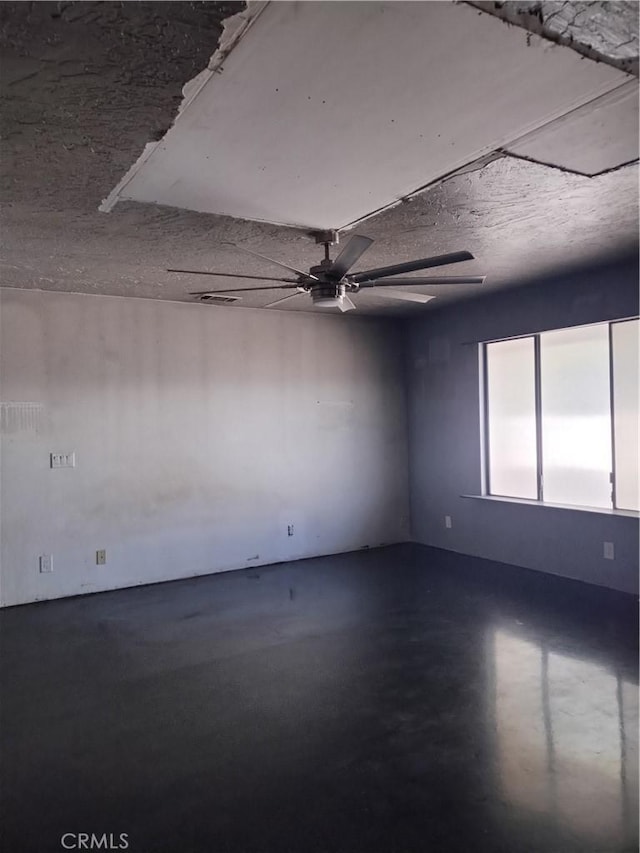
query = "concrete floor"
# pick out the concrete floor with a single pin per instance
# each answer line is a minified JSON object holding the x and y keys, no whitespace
{"x":398,"y":700}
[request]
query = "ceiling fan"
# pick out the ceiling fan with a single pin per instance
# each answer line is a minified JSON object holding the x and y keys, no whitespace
{"x":330,"y":282}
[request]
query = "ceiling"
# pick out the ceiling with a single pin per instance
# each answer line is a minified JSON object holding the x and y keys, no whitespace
{"x":604,"y":31}
{"x":85,"y":86}
{"x":343,"y":137}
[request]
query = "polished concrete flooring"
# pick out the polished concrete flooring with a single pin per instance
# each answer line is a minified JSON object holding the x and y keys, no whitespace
{"x":402,"y":700}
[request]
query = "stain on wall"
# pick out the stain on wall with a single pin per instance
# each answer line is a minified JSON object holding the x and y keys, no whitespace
{"x":21,"y":418}
{"x":199,"y":440}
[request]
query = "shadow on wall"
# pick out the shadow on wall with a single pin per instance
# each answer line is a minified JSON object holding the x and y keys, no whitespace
{"x":445,"y":434}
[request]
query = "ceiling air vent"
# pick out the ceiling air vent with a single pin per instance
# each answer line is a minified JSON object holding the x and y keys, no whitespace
{"x":217,"y":299}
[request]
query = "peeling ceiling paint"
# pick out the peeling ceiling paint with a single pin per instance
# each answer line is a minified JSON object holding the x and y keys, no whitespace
{"x":337,"y":140}
{"x":233,"y":28}
{"x":84,"y":86}
{"x":604,"y":31}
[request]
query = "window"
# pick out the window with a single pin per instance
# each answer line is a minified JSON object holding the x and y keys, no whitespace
{"x":561,"y":411}
{"x":512,"y":416}
{"x":575,"y":416}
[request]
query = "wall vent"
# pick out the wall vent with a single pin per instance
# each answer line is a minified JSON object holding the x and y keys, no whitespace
{"x":218,"y":299}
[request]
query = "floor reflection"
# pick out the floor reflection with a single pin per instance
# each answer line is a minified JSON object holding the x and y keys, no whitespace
{"x":567,"y":732}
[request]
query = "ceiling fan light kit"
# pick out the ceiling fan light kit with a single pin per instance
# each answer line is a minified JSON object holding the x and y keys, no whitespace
{"x":331,"y":296}
{"x":330,"y":282}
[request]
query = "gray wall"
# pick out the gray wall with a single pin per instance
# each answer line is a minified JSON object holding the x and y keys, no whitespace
{"x":201,"y":433}
{"x":444,"y":432}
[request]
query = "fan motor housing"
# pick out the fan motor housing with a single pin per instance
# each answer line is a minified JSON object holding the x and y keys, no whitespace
{"x":327,"y":293}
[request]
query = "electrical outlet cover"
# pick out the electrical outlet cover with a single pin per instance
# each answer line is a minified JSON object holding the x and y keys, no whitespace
{"x":46,"y":564}
{"x":62,"y":460}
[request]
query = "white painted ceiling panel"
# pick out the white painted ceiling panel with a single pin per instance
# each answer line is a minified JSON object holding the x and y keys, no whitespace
{"x":591,"y":139}
{"x":325,"y":112}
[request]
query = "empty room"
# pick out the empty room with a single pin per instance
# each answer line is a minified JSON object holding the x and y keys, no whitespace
{"x":319,"y":379}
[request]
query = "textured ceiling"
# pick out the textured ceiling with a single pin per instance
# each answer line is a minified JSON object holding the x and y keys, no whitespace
{"x":605,"y":31}
{"x":338,"y":140}
{"x":86,"y":85}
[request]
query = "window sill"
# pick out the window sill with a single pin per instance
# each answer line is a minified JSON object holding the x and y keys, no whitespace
{"x":628,"y":513}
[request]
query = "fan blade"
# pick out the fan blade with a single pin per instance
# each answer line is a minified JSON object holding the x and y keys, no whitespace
{"x":243,"y":289}
{"x":411,"y":266}
{"x":234,"y":275}
{"x":271,"y":260}
{"x":284,"y":299}
{"x":404,"y":296}
{"x":422,"y":280}
{"x":356,"y":247}
{"x":346,"y":304}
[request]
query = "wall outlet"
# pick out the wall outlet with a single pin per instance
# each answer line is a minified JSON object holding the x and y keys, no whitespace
{"x":46,"y":563}
{"x":289,"y":529}
{"x":447,"y":522}
{"x":609,"y":551}
{"x":62,"y":460}
{"x":101,"y":558}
